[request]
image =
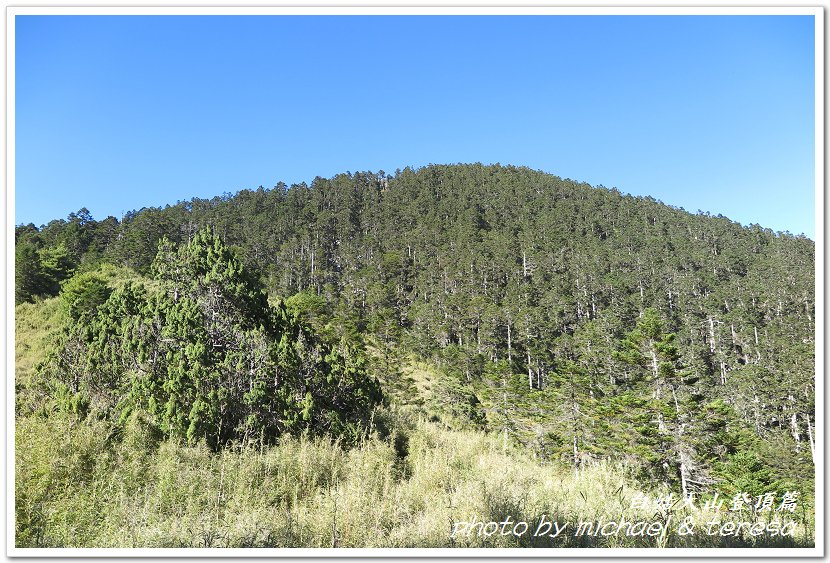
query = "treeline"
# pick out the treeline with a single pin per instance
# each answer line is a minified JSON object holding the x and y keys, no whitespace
{"x":578,"y":321}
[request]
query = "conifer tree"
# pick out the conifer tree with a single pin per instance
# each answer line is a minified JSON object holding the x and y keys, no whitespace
{"x":663,"y":387}
{"x":205,"y":354}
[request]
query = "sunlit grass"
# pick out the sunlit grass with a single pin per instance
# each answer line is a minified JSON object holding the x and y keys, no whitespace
{"x":87,"y":483}
{"x":79,"y":486}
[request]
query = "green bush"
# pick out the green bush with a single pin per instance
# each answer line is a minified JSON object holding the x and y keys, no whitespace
{"x":205,"y":355}
{"x":84,"y":293}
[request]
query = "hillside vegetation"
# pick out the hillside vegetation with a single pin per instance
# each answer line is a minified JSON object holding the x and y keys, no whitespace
{"x":368,"y":359}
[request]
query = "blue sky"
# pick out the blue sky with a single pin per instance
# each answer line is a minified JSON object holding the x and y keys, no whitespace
{"x":701,"y":112}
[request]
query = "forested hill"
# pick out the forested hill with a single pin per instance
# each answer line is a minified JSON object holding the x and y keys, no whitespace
{"x":580,"y":322}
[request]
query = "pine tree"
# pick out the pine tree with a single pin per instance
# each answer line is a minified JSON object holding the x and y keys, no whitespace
{"x":205,"y":354}
{"x":663,"y":387}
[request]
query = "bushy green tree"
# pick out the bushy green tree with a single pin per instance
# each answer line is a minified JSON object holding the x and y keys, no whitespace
{"x":39,"y":270}
{"x":205,"y":354}
{"x":84,"y":293}
{"x":662,"y":384}
{"x":29,"y":278}
{"x":745,"y":472}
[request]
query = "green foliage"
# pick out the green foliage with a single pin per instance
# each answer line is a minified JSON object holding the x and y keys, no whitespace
{"x":579,"y":323}
{"x":744,"y":472}
{"x":78,"y":485}
{"x":313,"y":309}
{"x":84,"y":293}
{"x":205,"y":354}
{"x":457,"y":403}
{"x":668,"y":414}
{"x":29,"y":275}
{"x":40,"y":270}
{"x":56,"y":264}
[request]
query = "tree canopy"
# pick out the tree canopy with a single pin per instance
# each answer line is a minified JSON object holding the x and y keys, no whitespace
{"x":203,"y":352}
{"x":577,"y":321}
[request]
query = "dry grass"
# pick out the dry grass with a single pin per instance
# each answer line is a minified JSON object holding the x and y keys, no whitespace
{"x":88,"y":489}
{"x":408,"y":484}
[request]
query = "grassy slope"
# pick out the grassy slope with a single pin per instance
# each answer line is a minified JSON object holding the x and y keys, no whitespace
{"x":35,"y":325}
{"x":84,"y":484}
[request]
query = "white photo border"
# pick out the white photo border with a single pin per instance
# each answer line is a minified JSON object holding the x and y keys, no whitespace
{"x":529,"y":8}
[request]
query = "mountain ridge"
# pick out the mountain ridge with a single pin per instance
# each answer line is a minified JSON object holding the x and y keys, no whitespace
{"x":549,"y":306}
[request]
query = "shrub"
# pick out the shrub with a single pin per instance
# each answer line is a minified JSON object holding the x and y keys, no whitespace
{"x":205,"y":355}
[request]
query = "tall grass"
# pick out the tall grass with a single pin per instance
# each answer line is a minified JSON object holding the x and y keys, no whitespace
{"x":36,"y":324}
{"x":87,"y":483}
{"x":78,"y":484}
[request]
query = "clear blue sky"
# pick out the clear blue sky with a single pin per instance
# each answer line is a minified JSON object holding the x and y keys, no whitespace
{"x":703,"y":112}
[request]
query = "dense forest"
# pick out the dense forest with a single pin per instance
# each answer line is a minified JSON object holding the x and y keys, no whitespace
{"x":575,"y":326}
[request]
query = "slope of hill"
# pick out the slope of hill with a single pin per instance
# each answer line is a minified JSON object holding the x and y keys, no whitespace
{"x":575,"y":323}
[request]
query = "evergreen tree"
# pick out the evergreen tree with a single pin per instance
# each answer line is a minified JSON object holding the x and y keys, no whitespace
{"x":203,"y":352}
{"x":663,"y":386}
